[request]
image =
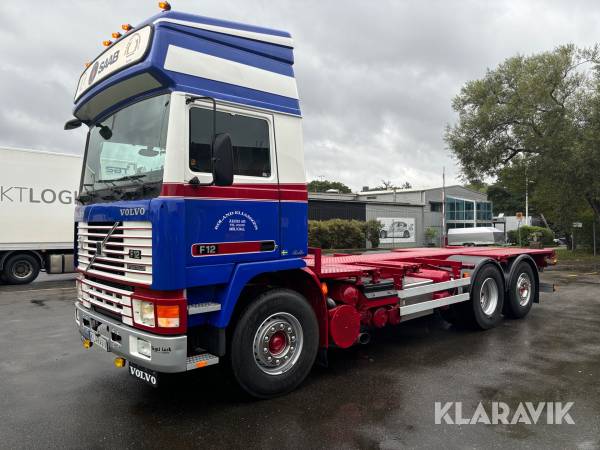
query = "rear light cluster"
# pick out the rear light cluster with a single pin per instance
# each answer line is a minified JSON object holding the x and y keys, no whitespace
{"x":159,"y":311}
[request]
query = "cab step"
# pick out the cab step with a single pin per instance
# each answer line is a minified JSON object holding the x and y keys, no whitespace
{"x":201,"y":308}
{"x":199,"y":361}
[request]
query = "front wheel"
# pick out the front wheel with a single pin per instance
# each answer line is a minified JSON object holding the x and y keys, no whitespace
{"x":274,"y":343}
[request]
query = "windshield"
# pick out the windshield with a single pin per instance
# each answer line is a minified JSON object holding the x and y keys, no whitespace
{"x":126,"y":153}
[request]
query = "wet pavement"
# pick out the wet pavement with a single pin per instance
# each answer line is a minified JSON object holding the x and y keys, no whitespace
{"x":53,"y":393}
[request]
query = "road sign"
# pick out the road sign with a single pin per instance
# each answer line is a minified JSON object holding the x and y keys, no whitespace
{"x":577,"y":225}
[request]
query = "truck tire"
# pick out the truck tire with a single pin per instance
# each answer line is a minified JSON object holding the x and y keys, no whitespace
{"x":274,"y":343}
{"x":521,"y":292}
{"x":484,"y":311}
{"x":21,"y":269}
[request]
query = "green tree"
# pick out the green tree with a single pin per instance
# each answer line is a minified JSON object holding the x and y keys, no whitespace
{"x":537,"y":115}
{"x":387,"y":185}
{"x":325,"y":185}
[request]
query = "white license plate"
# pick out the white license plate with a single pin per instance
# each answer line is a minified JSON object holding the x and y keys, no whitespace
{"x":98,"y":340}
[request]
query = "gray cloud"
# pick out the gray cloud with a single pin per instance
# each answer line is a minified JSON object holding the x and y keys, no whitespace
{"x":375,"y":78}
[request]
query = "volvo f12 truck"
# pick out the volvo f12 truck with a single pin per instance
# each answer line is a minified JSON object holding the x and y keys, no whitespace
{"x":191,"y":228}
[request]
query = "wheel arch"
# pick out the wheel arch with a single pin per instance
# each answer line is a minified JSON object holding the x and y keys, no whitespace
{"x":247,"y":283}
{"x":479,"y":262}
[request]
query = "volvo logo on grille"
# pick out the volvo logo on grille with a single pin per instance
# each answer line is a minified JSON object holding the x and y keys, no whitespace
{"x":99,"y":248}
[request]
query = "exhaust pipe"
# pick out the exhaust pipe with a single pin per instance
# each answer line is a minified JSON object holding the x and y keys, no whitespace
{"x":364,"y":338}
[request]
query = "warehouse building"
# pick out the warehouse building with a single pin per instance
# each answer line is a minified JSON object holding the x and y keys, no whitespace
{"x":406,"y":214}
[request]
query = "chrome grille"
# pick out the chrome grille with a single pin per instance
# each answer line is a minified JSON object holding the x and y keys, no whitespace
{"x":119,"y":257}
{"x":116,"y":300}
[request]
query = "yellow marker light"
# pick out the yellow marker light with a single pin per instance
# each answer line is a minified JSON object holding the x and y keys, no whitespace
{"x":165,"y":6}
{"x":324,"y":289}
{"x":87,"y":343}
{"x":87,"y":64}
{"x":116,"y":35}
{"x":466,"y":275}
{"x":126,"y":27}
{"x":119,"y":362}
{"x":106,"y":43}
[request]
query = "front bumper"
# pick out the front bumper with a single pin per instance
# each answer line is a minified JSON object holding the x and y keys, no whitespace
{"x":169,"y":353}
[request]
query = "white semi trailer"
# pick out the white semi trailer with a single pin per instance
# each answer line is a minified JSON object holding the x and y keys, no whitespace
{"x":37,"y":204}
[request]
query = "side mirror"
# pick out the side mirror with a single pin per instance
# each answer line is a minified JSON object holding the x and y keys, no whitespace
{"x":72,"y":124}
{"x":223,"y":160}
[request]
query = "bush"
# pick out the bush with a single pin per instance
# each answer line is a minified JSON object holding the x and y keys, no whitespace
{"x":372,"y":231}
{"x":338,"y":233}
{"x":545,"y":235}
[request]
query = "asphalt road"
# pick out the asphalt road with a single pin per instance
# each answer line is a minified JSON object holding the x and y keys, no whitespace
{"x":53,"y":393}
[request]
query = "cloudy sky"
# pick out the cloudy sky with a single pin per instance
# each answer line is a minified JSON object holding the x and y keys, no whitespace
{"x":375,"y":77}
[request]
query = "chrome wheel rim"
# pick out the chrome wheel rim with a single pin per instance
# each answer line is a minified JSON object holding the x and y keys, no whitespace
{"x":22,"y":269}
{"x":488,"y":296}
{"x":523,"y":289}
{"x":278,"y":343}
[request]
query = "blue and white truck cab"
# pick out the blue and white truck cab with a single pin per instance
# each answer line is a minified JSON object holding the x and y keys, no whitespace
{"x":191,"y":228}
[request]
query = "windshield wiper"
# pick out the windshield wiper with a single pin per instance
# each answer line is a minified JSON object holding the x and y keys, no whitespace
{"x":125,"y":178}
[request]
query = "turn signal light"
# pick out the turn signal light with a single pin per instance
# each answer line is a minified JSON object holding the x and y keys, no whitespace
{"x":324,"y":289}
{"x":86,"y":343}
{"x":168,"y":316}
{"x":126,"y":27}
{"x":116,"y":35}
{"x":119,"y":362}
{"x":165,"y":6}
{"x":106,"y":43}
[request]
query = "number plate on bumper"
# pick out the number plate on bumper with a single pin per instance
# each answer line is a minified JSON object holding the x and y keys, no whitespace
{"x":146,"y":375}
{"x":98,"y":340}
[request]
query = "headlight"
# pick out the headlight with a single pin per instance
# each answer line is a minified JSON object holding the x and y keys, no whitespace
{"x":143,"y":312}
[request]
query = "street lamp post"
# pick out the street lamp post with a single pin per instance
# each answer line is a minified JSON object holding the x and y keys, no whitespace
{"x":526,"y":199}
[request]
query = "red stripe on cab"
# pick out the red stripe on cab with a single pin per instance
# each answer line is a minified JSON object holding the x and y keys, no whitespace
{"x":274,"y":192}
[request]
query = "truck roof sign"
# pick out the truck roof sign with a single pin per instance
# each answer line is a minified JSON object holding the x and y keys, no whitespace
{"x":125,"y":52}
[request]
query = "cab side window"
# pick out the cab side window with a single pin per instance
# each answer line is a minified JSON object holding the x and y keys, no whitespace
{"x":249,"y":136}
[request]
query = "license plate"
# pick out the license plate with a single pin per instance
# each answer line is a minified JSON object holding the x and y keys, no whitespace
{"x":146,"y":375}
{"x":98,"y":340}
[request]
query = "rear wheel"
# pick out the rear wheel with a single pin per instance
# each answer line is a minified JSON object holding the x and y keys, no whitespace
{"x":521,"y":292}
{"x":274,"y":344}
{"x":21,"y":269}
{"x":484,"y":311}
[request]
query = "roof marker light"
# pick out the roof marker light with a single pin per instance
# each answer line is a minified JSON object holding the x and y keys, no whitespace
{"x":107,"y":43}
{"x":126,"y":27}
{"x":116,"y":35}
{"x":165,"y":6}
